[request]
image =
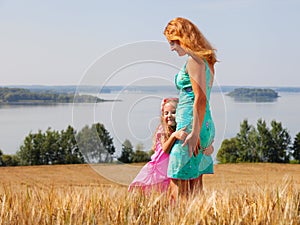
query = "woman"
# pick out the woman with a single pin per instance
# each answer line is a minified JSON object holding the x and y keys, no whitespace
{"x":190,"y":159}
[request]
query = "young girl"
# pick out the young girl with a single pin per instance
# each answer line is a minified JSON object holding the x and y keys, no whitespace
{"x":153,"y":176}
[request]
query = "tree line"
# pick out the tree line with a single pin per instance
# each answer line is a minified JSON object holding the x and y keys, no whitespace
{"x":21,"y":95}
{"x":260,"y":144}
{"x":128,"y":155}
{"x":92,"y":144}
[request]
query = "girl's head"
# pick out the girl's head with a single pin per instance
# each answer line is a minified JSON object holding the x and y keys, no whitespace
{"x":184,"y":33}
{"x":168,"y":111}
{"x":168,"y":123}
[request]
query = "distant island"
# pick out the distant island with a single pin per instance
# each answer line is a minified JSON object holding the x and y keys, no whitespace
{"x":111,"y":89}
{"x":254,"y":94}
{"x":25,"y":96}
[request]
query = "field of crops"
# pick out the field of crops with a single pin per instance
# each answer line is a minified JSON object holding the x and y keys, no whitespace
{"x":82,"y":194}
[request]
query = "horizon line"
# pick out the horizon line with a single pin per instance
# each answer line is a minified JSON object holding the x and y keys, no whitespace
{"x":117,"y":85}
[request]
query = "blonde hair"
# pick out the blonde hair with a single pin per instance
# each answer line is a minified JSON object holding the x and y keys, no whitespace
{"x":190,"y":38}
{"x":163,"y":128}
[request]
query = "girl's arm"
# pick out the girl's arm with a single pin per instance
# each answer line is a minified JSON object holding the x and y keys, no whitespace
{"x":180,"y":135}
{"x":196,"y":70}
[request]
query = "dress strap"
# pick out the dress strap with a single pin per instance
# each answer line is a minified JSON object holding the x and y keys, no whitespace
{"x":184,"y":67}
{"x":207,"y":72}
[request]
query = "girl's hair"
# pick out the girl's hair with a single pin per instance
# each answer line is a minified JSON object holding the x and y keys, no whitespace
{"x":190,"y":38}
{"x":164,"y":130}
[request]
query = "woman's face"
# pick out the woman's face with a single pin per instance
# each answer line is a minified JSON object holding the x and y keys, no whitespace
{"x":175,"y":46}
{"x":169,"y":114}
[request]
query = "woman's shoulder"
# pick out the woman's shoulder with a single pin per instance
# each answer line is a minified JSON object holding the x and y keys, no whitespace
{"x":194,"y":64}
{"x":195,"y":61}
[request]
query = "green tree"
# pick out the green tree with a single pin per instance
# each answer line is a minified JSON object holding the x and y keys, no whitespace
{"x":127,"y":152}
{"x":26,"y":150}
{"x":140,"y":155}
{"x":139,"y":147}
{"x":151,"y":152}
{"x":296,"y":147}
{"x":50,"y":147}
{"x":30,"y":150}
{"x":254,"y":152}
{"x":10,"y":160}
{"x":39,"y":149}
{"x":1,"y":153}
{"x":68,"y":151}
{"x":228,"y":153}
{"x":279,"y":151}
{"x":257,"y":145}
{"x":244,"y":144}
{"x":95,"y":144}
{"x":264,"y":141}
{"x":106,"y":140}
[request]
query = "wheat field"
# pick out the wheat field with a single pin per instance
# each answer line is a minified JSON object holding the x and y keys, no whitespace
{"x":85,"y":194}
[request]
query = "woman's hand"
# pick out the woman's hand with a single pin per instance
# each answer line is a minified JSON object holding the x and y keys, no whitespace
{"x":181,"y":134}
{"x":191,"y":140}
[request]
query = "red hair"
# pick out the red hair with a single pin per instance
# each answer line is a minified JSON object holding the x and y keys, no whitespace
{"x":190,"y":38}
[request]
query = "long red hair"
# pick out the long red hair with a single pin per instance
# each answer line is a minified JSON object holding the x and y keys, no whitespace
{"x":191,"y":39}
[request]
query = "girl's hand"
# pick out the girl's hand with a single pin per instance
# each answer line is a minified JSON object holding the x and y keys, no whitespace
{"x":181,"y":134}
{"x":191,"y":140}
{"x":209,"y":150}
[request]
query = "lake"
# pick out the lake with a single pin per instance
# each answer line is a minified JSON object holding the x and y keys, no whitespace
{"x":136,"y":117}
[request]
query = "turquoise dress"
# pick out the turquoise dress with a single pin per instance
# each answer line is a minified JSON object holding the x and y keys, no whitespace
{"x":181,"y":165}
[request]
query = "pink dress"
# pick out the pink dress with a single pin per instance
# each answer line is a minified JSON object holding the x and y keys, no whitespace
{"x":153,"y":176}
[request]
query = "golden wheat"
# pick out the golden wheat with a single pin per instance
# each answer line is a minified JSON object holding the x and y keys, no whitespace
{"x":41,"y":203}
{"x":114,"y":205}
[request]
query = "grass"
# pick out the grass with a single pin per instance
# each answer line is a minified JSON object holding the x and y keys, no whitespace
{"x":77,"y":194}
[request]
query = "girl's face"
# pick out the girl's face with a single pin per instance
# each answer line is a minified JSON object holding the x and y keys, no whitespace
{"x":169,"y":114}
{"x":175,"y":46}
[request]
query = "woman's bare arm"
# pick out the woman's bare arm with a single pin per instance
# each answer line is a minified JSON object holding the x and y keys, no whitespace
{"x":196,"y":70}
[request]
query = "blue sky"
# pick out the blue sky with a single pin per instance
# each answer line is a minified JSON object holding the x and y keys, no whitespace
{"x":55,"y":42}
